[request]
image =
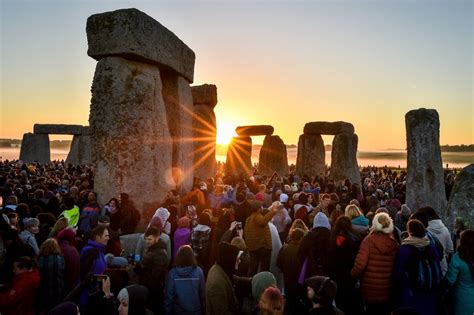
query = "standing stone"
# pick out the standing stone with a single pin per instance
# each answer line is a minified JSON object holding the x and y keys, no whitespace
{"x":35,"y":147}
{"x":131,"y":144}
{"x":256,"y":130}
{"x":239,"y":156}
{"x":204,"y":130}
{"x":344,"y":158}
{"x":461,"y":201}
{"x":425,"y":178}
{"x":179,"y":112}
{"x":80,"y":153}
{"x":58,"y":129}
{"x":311,"y":155}
{"x":273,"y":156}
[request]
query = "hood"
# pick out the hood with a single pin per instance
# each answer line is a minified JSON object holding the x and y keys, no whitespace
{"x":137,"y":297}
{"x":93,"y":244}
{"x":260,"y":282}
{"x":321,"y":220}
{"x":185,"y":271}
{"x":436,"y":226}
{"x":360,"y":220}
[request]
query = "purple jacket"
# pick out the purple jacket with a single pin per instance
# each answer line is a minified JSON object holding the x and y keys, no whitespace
{"x":181,"y":237}
{"x":98,"y":264}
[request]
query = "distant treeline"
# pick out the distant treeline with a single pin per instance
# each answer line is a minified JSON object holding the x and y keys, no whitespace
{"x":457,"y":148}
{"x":55,"y":144}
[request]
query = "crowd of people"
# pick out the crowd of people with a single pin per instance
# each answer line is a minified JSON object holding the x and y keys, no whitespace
{"x":261,"y":244}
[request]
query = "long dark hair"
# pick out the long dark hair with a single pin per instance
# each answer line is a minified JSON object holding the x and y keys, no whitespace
{"x":466,"y":249}
{"x":185,"y":257}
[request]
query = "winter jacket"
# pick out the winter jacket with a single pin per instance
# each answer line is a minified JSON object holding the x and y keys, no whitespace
{"x":181,"y":237}
{"x":28,"y":238}
{"x":72,"y":263}
{"x":290,"y":266}
{"x":220,"y":296}
{"x":20,"y":299}
{"x":92,"y":258}
{"x":343,"y":252}
{"x":51,"y":290}
{"x":441,"y":232}
{"x":374,"y":266}
{"x":315,"y":248}
{"x":256,"y":232}
{"x":153,"y":266}
{"x":460,"y":276}
{"x":185,"y":291}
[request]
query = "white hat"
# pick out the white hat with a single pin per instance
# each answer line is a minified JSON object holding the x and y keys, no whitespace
{"x":283,"y":198}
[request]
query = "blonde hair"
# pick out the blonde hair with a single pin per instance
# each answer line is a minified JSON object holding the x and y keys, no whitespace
{"x":60,"y":225}
{"x":298,"y":224}
{"x":352,"y":211}
{"x":50,"y":247}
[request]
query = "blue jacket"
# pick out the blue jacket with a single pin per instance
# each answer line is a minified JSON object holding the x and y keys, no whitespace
{"x":461,"y":278}
{"x":185,"y":291}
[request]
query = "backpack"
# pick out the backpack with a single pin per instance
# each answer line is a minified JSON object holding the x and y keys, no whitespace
{"x":424,"y":272}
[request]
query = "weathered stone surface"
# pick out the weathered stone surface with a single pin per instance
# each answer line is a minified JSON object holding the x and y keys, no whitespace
{"x":204,"y":130}
{"x":205,"y":94}
{"x":86,"y":131}
{"x":425,"y":178}
{"x":35,"y":147}
{"x":131,"y":144}
{"x":179,"y":112}
{"x":461,"y":201}
{"x":273,"y":156}
{"x":344,"y":158}
{"x":239,"y":155}
{"x":311,"y":155}
{"x":328,"y":128}
{"x":134,"y":35}
{"x":58,"y":129}
{"x":80,"y":153}
{"x":257,"y":130}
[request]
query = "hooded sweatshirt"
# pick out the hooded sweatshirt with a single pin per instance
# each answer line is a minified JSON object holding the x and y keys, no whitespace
{"x":137,"y":298}
{"x":438,"y":229}
{"x":185,"y":291}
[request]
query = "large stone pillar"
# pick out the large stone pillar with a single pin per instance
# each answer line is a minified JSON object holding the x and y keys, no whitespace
{"x":239,"y":156}
{"x":310,"y":160}
{"x":204,"y":130}
{"x":80,"y":152}
{"x":35,"y":147}
{"x":425,"y":178}
{"x":273,"y":156}
{"x":461,"y":201}
{"x":140,"y":120}
{"x":344,"y":158}
{"x":131,"y":143}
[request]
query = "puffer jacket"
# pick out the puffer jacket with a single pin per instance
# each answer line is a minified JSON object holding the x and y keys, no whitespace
{"x":374,"y":266}
{"x":185,"y":291}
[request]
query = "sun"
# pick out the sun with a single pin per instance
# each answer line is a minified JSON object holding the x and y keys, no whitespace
{"x":225,"y":133}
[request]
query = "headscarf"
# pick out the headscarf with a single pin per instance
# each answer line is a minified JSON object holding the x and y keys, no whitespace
{"x":137,"y":297}
{"x":260,"y":282}
{"x":163,"y":214}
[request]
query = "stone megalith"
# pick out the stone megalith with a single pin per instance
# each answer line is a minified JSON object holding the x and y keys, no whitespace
{"x":58,"y":129}
{"x":257,"y":130}
{"x":461,"y":200}
{"x":273,"y":156}
{"x":239,"y":156}
{"x":80,"y":153}
{"x":344,"y":158}
{"x":425,"y":178}
{"x":35,"y":147}
{"x":204,"y":130}
{"x":310,"y":160}
{"x":131,"y":143}
{"x":134,"y":35}
{"x":327,"y":128}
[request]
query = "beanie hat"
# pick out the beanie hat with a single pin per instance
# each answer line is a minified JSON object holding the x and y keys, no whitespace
{"x":405,"y":210}
{"x":67,"y":235}
{"x":382,"y":223}
{"x":239,"y":243}
{"x":260,"y":282}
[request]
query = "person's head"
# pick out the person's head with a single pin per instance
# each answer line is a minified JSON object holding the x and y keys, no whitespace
{"x":68,"y":235}
{"x":60,"y":225}
{"x":430,"y":213}
{"x":239,"y":243}
{"x":271,"y":302}
{"x":352,"y":211}
{"x":321,"y":221}
{"x":113,"y":203}
{"x":92,"y":197}
{"x":32,"y":225}
{"x":12,"y":200}
{"x":382,"y":223}
{"x":132,"y":300}
{"x":321,"y":290}
{"x":23,"y":264}
{"x":100,"y":234}
{"x":415,"y":228}
{"x":324,"y":200}
{"x":183,"y":222}
{"x":185,"y":257}
{"x":262,"y":188}
{"x":260,"y":282}
{"x":50,"y":247}
{"x":226,"y":257}
{"x":13,"y":217}
{"x":104,"y":220}
{"x":466,"y":248}
{"x":205,"y":219}
{"x":299,"y":224}
{"x":255,"y":206}
{"x":297,"y":235}
{"x":152,"y":235}
{"x":335,"y":214}
{"x":420,"y":216}
{"x":343,"y":226}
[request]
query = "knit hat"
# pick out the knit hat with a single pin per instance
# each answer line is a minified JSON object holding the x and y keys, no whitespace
{"x":260,"y":282}
{"x":405,"y":210}
{"x":67,"y":235}
{"x":321,"y":220}
{"x":395,"y":203}
{"x":30,"y":222}
{"x":183,"y":222}
{"x":283,"y":198}
{"x":382,"y":223}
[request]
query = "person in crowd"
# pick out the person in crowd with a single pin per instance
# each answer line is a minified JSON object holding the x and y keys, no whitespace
{"x":282,"y":219}
{"x":374,"y":265}
{"x":321,"y":292}
{"x":52,"y":270}
{"x":220,"y":294}
{"x":130,"y":217}
{"x":271,"y":302}
{"x":28,"y":235}
{"x":402,"y":217}
{"x":360,"y":224}
{"x":72,"y":262}
{"x":133,"y":300}
{"x":417,"y":271}
{"x":164,"y":215}
{"x":112,"y":210}
{"x":60,"y":225}
{"x":201,"y":240}
{"x":243,"y":258}
{"x":152,"y":268}
{"x":182,"y":235}
{"x":314,"y":248}
{"x":72,"y":211}
{"x":118,"y":272}
{"x":185,"y":291}
{"x":344,"y":247}
{"x":14,"y":220}
{"x":259,"y":283}
{"x":460,"y":274}
{"x":258,"y":237}
{"x":19,"y":298}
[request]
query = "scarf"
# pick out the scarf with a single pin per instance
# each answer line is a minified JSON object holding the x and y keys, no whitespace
{"x":418,"y":242}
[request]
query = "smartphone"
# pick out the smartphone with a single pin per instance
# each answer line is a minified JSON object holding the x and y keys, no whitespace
{"x":99,"y":278}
